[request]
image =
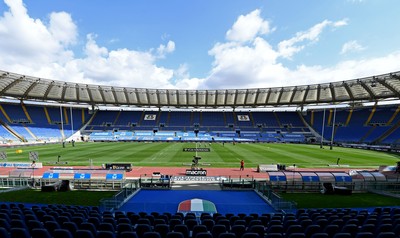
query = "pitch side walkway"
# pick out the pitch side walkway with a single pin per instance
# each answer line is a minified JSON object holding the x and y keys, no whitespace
{"x":177,"y":171}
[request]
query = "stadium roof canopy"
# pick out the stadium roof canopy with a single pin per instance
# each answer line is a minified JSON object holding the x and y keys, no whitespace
{"x":368,"y":89}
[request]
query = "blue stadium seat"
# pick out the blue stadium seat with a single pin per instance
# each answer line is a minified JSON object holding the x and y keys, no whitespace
{"x":182,"y":228}
{"x":387,"y":234}
{"x":251,"y":235}
{"x":103,"y":226}
{"x":159,"y":221}
{"x":51,"y":226}
{"x":62,"y":233}
{"x":62,"y":219}
{"x":40,"y":233}
{"x":105,"y":234}
{"x":94,"y":220}
{"x":124,"y":227}
{"x":151,"y":234}
{"x":142,"y":228}
{"x":198,"y":228}
{"x":5,"y":224}
{"x":88,"y":227}
{"x":227,"y":235}
{"x":162,"y":229}
{"x":274,"y":235}
{"x":259,"y":229}
{"x":342,"y":235}
{"x":18,"y":224}
{"x":84,"y":234}
{"x":320,"y":235}
{"x":241,"y":222}
{"x":275,"y":229}
{"x":203,"y":235}
{"x":174,"y":234}
{"x":190,"y":223}
{"x":312,"y":229}
{"x":296,"y":235}
{"x":238,"y":230}
{"x":218,"y":229}
{"x":128,"y":234}
{"x":70,"y":226}
{"x":17,"y":232}
{"x":4,"y":233}
{"x":294,"y":229}
{"x":364,"y":235}
{"x":173,"y":222}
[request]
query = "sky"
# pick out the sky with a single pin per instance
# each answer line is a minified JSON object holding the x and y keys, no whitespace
{"x":200,"y":44}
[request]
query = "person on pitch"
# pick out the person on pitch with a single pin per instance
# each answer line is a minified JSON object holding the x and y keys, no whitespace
{"x":242,"y":165}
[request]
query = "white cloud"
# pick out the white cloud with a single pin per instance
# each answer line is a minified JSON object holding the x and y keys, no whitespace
{"x":257,"y":63}
{"x":35,"y":48}
{"x":351,"y":46}
{"x":165,"y":49}
{"x":288,"y":48}
{"x":62,"y":28}
{"x":121,"y":67}
{"x":343,"y":22}
{"x":247,"y":27}
{"x":30,"y":42}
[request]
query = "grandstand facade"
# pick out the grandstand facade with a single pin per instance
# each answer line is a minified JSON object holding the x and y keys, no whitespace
{"x":50,"y":110}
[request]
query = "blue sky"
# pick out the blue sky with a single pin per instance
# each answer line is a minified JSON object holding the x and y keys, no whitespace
{"x":197,"y":44}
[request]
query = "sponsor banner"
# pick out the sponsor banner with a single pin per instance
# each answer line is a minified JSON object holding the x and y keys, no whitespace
{"x":223,"y":139}
{"x":243,"y":140}
{"x":21,"y":165}
{"x":101,"y":134}
{"x":310,"y":178}
{"x":164,"y":134}
{"x":197,"y":178}
{"x":51,"y":175}
{"x":143,"y":133}
{"x":114,"y":176}
{"x":150,"y":117}
{"x":82,"y":176}
{"x":184,"y":134}
{"x":250,"y":134}
{"x":343,"y":178}
{"x":196,"y":138}
{"x":196,"y":149}
{"x":124,"y":133}
{"x":125,"y":138}
{"x":277,"y":178}
{"x":293,"y":135}
{"x":196,"y":172}
{"x":119,"y":166}
{"x":228,"y":134}
{"x":243,"y":118}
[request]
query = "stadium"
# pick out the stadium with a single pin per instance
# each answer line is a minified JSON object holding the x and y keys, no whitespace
{"x":171,"y":159}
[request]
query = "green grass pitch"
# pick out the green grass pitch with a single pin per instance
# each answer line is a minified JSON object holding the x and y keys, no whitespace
{"x":227,"y":155}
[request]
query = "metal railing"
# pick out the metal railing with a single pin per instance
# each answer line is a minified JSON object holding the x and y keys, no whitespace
{"x":265,"y":190}
{"x":155,"y":182}
{"x":119,"y":199}
{"x":15,"y":182}
{"x":245,"y":182}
